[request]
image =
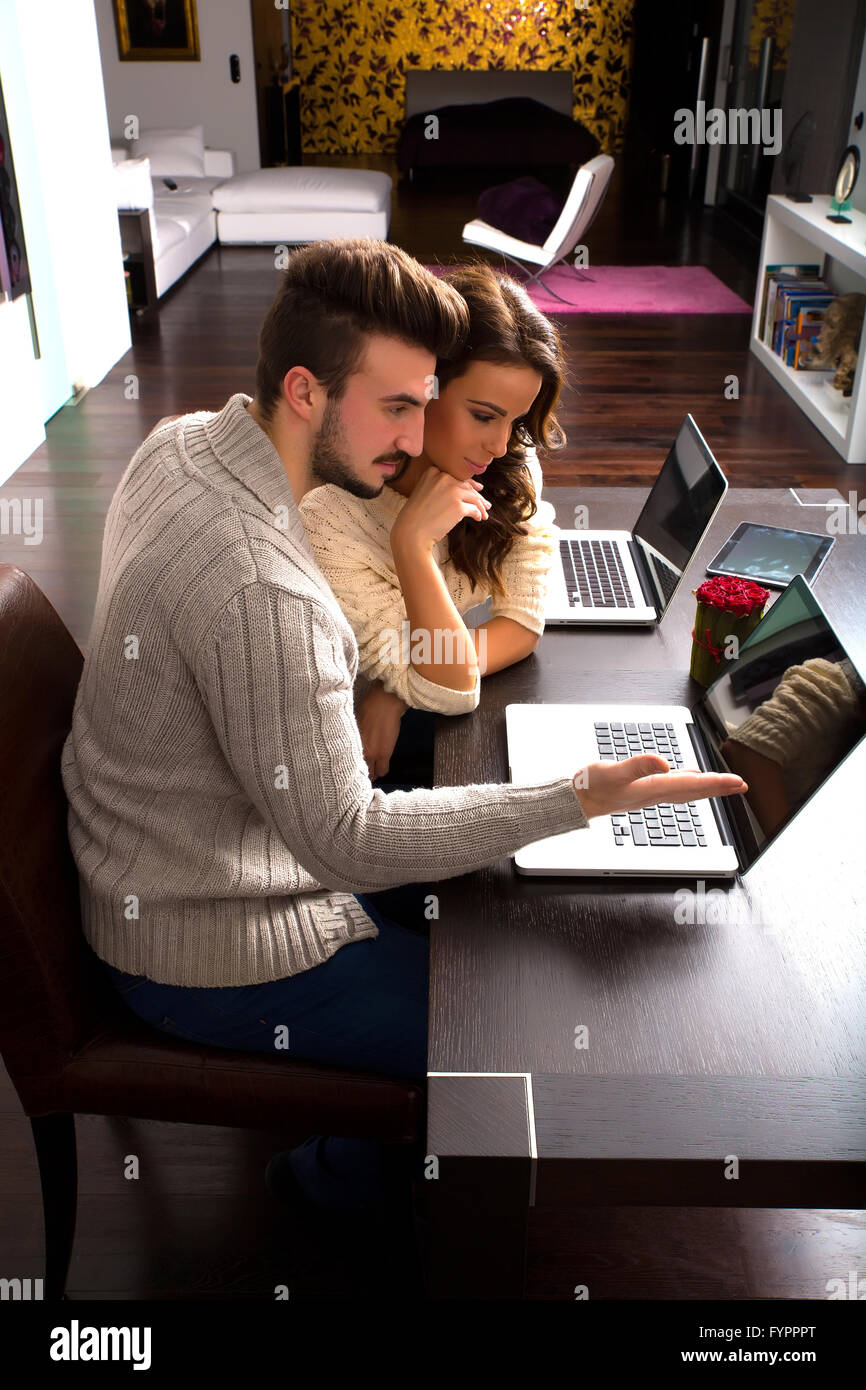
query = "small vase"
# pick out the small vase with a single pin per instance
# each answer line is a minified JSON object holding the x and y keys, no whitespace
{"x":727,"y":607}
{"x":712,"y":626}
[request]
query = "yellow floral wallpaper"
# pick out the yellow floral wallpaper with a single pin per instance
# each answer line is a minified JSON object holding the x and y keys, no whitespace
{"x":771,"y":19}
{"x":351,"y":58}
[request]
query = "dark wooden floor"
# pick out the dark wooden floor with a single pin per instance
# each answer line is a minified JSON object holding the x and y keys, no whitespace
{"x":199,"y":1223}
{"x":634,"y":378}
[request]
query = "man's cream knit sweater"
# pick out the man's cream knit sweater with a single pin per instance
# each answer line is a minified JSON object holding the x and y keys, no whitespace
{"x":220,"y":811}
{"x":351,"y":539}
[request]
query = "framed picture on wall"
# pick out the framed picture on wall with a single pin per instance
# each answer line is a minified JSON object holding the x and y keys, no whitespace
{"x":14,"y":270}
{"x":153,"y":30}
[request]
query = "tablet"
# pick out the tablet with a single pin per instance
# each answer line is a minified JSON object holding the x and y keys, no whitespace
{"x":771,"y":554}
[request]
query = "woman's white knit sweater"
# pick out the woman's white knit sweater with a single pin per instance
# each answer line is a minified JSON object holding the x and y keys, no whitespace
{"x":351,"y":539}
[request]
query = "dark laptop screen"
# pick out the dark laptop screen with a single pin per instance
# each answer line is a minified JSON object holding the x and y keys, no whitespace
{"x":678,"y":510}
{"x":784,"y":716}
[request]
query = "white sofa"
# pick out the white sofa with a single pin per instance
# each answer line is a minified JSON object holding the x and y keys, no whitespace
{"x":265,"y":206}
{"x":182,"y":220}
{"x":304,"y":202}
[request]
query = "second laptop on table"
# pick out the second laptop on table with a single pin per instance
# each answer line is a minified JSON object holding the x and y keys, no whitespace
{"x":630,"y":577}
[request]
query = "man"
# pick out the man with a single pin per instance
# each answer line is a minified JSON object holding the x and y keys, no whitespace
{"x":221,"y":812}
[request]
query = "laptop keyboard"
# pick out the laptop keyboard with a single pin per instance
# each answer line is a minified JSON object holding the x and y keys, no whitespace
{"x":668,"y":578}
{"x":594,"y":574}
{"x":667,"y":825}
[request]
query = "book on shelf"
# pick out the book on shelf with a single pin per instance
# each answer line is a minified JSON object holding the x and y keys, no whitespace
{"x":776,"y":276}
{"x":788,"y":299}
{"x":789,"y":304}
{"x":774,"y":271}
{"x":809,"y":322}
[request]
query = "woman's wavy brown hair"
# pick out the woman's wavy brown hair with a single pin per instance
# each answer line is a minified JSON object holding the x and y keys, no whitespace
{"x":507,"y":329}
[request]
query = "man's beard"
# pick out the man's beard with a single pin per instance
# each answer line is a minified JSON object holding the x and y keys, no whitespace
{"x":328,"y":460}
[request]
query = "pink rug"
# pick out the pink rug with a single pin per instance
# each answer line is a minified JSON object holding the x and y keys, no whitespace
{"x":632,"y":289}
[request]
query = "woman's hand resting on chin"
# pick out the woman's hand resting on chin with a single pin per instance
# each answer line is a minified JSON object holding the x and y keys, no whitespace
{"x":437,"y":503}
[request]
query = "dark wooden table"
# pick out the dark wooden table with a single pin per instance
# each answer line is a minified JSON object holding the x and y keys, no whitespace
{"x":724,"y":1063}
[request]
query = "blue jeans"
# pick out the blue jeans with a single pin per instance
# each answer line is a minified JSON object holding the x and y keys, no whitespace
{"x":365,"y":1008}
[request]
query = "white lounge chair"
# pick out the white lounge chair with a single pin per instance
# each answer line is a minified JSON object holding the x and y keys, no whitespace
{"x":581,"y":205}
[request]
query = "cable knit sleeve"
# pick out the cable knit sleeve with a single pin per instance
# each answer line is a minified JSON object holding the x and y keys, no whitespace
{"x":273,"y":676}
{"x":808,"y":714}
{"x":354,"y":554}
{"x":526,"y":568}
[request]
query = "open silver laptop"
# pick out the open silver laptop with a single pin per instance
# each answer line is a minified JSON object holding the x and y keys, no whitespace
{"x":711,"y":838}
{"x":631,"y":577}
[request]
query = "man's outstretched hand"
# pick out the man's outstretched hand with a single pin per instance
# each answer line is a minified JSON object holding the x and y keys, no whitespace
{"x":645,"y":780}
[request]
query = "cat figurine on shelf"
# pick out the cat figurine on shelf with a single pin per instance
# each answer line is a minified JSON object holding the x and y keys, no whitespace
{"x":839,"y":340}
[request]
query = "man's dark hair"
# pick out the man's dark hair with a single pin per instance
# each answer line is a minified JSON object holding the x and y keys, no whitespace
{"x":333,"y":294}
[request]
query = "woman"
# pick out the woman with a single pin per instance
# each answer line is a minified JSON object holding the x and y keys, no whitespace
{"x":386,"y":558}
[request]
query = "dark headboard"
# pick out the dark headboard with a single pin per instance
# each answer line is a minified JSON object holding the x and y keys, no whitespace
{"x":428,"y":90}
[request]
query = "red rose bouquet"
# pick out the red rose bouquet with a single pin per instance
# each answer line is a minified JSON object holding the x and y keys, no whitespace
{"x":727,"y":607}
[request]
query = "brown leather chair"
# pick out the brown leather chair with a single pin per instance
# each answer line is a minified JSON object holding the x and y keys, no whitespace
{"x":69,"y":1043}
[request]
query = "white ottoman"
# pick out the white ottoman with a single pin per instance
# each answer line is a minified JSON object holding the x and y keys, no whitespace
{"x":302,"y":203}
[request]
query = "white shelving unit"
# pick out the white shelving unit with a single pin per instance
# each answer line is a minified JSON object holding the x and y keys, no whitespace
{"x":799,"y":233}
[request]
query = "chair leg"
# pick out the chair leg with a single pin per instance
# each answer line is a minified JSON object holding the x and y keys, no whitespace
{"x":536,"y":276}
{"x":54,"y":1137}
{"x":518,"y":265}
{"x":560,"y":297}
